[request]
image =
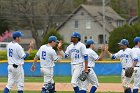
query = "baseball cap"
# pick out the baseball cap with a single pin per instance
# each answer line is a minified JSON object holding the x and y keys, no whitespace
{"x":124,"y":42}
{"x":76,"y":35}
{"x":136,"y":39}
{"x":89,"y":42}
{"x":53,"y":38}
{"x":17,"y":34}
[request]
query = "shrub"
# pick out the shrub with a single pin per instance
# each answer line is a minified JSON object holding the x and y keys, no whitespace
{"x":3,"y":55}
{"x":32,"y":55}
{"x":55,"y":33}
{"x":128,"y":32}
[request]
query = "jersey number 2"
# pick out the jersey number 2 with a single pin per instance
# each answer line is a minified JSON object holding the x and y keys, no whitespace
{"x":10,"y":52}
{"x":43,"y":55}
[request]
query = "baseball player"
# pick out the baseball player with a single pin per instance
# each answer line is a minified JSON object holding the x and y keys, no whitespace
{"x":47,"y":56}
{"x":78,"y":55}
{"x":128,"y":59}
{"x":91,"y":76}
{"x":16,"y":56}
{"x":136,"y":49}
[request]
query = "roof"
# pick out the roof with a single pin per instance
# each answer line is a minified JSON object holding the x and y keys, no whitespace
{"x":96,"y":13}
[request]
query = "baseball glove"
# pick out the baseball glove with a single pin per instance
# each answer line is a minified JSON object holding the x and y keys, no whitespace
{"x":83,"y":76}
{"x":129,"y":71}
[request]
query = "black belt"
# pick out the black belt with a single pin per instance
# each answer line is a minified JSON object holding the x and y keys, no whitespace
{"x":135,"y":66}
{"x":15,"y":66}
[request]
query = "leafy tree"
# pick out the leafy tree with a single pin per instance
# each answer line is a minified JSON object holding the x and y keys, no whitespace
{"x":3,"y":26}
{"x":53,"y":32}
{"x":125,"y":32}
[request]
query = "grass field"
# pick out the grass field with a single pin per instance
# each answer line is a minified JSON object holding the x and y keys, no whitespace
{"x":66,"y":79}
{"x":57,"y":92}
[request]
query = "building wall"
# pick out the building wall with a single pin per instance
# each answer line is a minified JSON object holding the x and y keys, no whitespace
{"x":83,"y":19}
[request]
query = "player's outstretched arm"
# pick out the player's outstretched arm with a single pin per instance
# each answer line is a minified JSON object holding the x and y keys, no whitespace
{"x":28,"y":52}
{"x":33,"y":67}
{"x":108,"y":52}
{"x":30,"y":47}
{"x":59,"y":48}
{"x":86,"y":63}
{"x":102,"y":53}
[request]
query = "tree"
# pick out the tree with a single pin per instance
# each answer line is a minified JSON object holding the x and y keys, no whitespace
{"x":3,"y":26}
{"x":139,"y":10}
{"x":124,"y":32}
{"x":52,"y":32}
{"x":35,"y":14}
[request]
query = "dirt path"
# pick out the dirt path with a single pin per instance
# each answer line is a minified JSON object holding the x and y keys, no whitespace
{"x":114,"y":87}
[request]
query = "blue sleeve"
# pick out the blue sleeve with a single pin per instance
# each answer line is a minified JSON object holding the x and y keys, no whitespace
{"x":113,"y":57}
{"x":86,"y":57}
{"x":135,"y":59}
{"x":25,"y":56}
{"x":66,"y":56}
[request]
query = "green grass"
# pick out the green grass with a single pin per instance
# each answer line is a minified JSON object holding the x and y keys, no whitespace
{"x":109,"y":79}
{"x":67,"y":79}
{"x":57,"y":92}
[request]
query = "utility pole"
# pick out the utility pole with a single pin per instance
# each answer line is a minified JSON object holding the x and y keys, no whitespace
{"x":139,"y":10}
{"x":104,"y":36}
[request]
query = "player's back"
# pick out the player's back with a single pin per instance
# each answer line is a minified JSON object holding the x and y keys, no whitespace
{"x":47,"y":56}
{"x":92,"y":57}
{"x":15,"y":53}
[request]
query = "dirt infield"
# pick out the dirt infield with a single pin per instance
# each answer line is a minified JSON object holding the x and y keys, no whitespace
{"x":113,"y":87}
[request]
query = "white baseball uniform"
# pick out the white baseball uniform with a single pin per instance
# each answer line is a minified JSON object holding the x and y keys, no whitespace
{"x":76,"y":53}
{"x":47,"y":57}
{"x":127,"y":58}
{"x":15,"y":55}
{"x":91,"y":78}
{"x":136,"y":84}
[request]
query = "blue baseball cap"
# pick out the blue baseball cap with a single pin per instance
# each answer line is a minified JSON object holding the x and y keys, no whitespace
{"x":53,"y":38}
{"x":124,"y":42}
{"x":17,"y":34}
{"x":76,"y":35}
{"x":89,"y":42}
{"x":136,"y":39}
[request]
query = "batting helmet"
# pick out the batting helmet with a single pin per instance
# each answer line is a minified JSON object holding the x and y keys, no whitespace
{"x":89,"y":42}
{"x":53,"y":38}
{"x":124,"y":42}
{"x":136,"y":39}
{"x":76,"y":35}
{"x":17,"y":34}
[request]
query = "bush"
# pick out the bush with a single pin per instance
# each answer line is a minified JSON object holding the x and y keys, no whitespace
{"x":50,"y":33}
{"x":54,"y":33}
{"x":3,"y":55}
{"x":32,"y":55}
{"x":128,"y":32}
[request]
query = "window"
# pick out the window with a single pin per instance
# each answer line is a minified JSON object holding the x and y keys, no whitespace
{"x":82,"y":13}
{"x":88,"y":24}
{"x":76,"y":24}
{"x":90,"y":37}
{"x":119,"y":23}
{"x":85,"y":39}
{"x":100,"y":39}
